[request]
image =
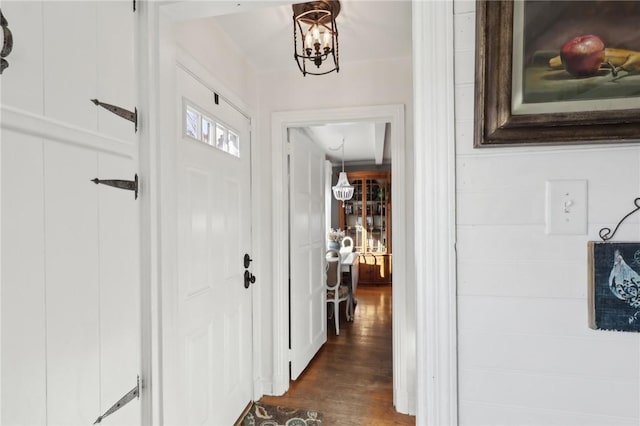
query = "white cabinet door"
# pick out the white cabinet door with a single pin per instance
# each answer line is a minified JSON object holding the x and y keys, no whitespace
{"x":70,"y":282}
{"x":307,"y":248}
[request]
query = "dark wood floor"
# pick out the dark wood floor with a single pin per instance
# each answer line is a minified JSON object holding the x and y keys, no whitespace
{"x":350,"y":378}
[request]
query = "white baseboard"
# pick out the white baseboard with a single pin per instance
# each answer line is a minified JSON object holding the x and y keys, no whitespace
{"x":406,"y":402}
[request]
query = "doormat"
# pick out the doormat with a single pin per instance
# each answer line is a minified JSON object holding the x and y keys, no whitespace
{"x":261,"y":414}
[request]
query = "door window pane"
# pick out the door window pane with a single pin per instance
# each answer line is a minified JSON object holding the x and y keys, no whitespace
{"x":221,"y":137}
{"x":206,"y":130}
{"x":201,"y":127}
{"x":191,"y":123}
{"x":234,"y":144}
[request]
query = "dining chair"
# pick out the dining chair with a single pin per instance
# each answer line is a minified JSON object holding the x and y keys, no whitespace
{"x":346,"y":245}
{"x":336,"y":292}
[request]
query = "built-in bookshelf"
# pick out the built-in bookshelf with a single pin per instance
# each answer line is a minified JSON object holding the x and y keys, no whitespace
{"x":366,"y":218}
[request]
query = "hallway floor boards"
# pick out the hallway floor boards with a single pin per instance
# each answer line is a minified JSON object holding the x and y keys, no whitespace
{"x":350,"y":378}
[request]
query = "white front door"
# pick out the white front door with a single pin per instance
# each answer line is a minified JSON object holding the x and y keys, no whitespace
{"x":209,"y":370}
{"x":70,"y":248}
{"x":307,"y":248}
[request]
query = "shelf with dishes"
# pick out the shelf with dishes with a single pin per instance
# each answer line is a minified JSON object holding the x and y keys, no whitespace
{"x":366,"y":218}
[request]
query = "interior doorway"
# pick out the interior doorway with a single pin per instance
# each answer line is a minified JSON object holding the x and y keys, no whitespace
{"x":315,"y":156}
{"x":281,"y":122}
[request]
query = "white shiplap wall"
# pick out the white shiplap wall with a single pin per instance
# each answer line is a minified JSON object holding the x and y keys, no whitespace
{"x":526,"y":354}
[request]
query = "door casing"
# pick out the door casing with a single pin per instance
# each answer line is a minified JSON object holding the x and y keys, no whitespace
{"x":403,"y":396}
{"x":435,"y":201}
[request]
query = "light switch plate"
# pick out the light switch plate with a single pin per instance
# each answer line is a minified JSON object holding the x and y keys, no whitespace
{"x":566,"y":207}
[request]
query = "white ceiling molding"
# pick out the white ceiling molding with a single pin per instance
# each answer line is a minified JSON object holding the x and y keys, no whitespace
{"x":186,"y":10}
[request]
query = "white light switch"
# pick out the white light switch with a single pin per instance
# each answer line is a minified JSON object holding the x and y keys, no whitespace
{"x":566,"y":207}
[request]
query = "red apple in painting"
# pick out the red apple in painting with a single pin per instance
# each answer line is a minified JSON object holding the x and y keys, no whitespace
{"x":582,"y":55}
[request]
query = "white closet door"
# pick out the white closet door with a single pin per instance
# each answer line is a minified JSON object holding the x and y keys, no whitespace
{"x":70,"y":248}
{"x":307,"y":249}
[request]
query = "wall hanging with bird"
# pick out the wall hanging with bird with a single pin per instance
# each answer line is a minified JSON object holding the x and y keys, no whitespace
{"x":614,"y":286}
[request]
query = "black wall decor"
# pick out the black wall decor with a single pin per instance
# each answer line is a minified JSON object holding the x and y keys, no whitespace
{"x":614,"y":281}
{"x":7,"y":44}
{"x":614,"y":286}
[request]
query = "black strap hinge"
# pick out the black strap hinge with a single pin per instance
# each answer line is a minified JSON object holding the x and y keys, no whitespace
{"x":129,"y":185}
{"x":129,"y":396}
{"x":120,"y":112}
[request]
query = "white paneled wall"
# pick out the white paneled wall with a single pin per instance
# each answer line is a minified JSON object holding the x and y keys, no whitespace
{"x":526,"y":354}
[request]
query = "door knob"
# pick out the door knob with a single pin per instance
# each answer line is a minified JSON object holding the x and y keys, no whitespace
{"x":247,"y":260}
{"x":249,"y":278}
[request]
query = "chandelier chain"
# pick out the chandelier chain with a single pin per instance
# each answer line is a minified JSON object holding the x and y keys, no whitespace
{"x":337,"y":51}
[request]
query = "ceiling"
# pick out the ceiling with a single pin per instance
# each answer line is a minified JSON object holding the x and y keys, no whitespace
{"x":369,"y":30}
{"x":364,"y":142}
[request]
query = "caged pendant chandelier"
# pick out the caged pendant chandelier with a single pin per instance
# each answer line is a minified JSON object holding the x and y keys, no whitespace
{"x":342,"y":190}
{"x":315,"y":25}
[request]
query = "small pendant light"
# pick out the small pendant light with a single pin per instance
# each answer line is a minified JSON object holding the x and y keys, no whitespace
{"x":343,"y":190}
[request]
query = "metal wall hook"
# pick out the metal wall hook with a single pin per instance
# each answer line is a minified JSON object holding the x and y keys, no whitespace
{"x":606,"y":234}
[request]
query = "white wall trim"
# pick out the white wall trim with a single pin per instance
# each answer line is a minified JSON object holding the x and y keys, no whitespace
{"x":403,"y":397}
{"x":47,"y":128}
{"x":147,"y":53}
{"x":435,"y":213}
{"x":191,"y":65}
{"x":280,"y":232}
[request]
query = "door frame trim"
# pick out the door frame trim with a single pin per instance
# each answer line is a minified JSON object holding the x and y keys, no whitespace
{"x":148,"y":85}
{"x":435,"y":212}
{"x":403,"y":395}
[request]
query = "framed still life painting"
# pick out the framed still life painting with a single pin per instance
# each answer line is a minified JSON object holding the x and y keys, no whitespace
{"x":614,"y":286}
{"x":557,"y":72}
